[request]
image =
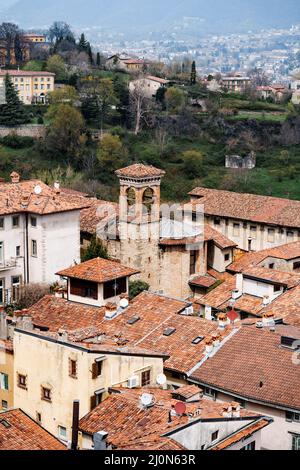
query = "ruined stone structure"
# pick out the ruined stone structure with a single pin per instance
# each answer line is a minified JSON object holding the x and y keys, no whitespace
{"x":236,"y":161}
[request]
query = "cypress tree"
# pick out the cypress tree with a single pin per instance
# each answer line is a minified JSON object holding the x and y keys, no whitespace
{"x":193,"y":73}
{"x":90,"y":54}
{"x":83,"y":44}
{"x":98,"y":60}
{"x":12,"y":113}
{"x":96,"y":249}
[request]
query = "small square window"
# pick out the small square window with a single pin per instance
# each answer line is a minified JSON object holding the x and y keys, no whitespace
{"x":4,"y":405}
{"x":271,"y":266}
{"x":146,"y":378}
{"x":38,"y":418}
{"x":18,"y":251}
{"x":62,"y":433}
{"x":1,"y":223}
{"x":217,"y":221}
{"x":22,"y":381}
{"x":73,"y":368}
{"x":33,"y":221}
{"x":214,"y":436}
{"x":15,"y":221}
{"x":227,"y":257}
{"x":46,"y":394}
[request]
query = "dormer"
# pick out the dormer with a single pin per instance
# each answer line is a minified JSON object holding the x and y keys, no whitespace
{"x":97,"y":282}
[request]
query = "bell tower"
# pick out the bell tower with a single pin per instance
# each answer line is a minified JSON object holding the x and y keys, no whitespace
{"x":139,"y":220}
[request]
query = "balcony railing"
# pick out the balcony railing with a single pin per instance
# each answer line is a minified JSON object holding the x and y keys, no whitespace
{"x":8,"y":264}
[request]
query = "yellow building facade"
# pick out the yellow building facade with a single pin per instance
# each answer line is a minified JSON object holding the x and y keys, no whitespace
{"x":32,"y":87}
{"x":51,"y":373}
{"x":6,"y":375}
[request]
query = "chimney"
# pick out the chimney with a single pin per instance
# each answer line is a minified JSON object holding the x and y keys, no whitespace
{"x":239,"y":283}
{"x":227,"y":411}
{"x":268,"y":319}
{"x":236,"y":410}
{"x":124,"y":301}
{"x":25,"y":199}
{"x":216,"y":339}
{"x":223,"y":321}
{"x":100,"y":440}
{"x":15,"y":177}
{"x":209,"y":346}
{"x":110,"y":310}
{"x":75,"y":425}
{"x":62,"y":335}
{"x":57,"y":187}
{"x":266,"y":300}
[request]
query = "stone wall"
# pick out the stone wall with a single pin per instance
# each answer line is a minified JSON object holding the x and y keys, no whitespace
{"x":36,"y":131}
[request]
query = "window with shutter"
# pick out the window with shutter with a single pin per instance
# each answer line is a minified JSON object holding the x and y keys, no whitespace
{"x":93,"y":402}
{"x":94,"y":370}
{"x":84,"y":289}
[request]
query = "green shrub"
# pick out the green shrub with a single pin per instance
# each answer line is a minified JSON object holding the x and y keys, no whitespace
{"x":16,"y":142}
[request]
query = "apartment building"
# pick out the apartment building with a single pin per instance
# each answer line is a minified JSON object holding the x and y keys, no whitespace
{"x":178,"y":420}
{"x":253,"y":222}
{"x":259,"y":368}
{"x":236,"y":84}
{"x":32,"y":87}
{"x":39,"y":234}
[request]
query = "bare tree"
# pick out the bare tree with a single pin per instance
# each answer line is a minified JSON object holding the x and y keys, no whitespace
{"x":140,"y":105}
{"x":8,"y":34}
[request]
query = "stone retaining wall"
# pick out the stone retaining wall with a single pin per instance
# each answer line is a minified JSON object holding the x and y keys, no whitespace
{"x":36,"y":131}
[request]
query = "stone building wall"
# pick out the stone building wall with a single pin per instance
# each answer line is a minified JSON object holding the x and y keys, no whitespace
{"x":36,"y":131}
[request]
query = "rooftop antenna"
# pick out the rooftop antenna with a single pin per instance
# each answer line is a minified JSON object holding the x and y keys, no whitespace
{"x":161,"y":379}
{"x":147,"y":400}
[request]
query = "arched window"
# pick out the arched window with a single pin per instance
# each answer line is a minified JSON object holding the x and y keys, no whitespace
{"x":148,"y":199}
{"x":131,"y":198}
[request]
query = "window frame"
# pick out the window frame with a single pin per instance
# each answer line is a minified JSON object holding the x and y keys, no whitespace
{"x":45,"y":395}
{"x":22,"y":381}
{"x":34,"y":248}
{"x":15,"y":217}
{"x":146,"y":378}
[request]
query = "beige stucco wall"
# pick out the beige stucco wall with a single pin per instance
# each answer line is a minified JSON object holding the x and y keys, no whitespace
{"x":261,"y":238}
{"x":276,"y":436}
{"x":7,"y":367}
{"x":46,"y":363}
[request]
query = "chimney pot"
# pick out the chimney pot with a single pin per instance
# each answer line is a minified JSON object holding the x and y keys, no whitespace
{"x":100,"y":440}
{"x":15,"y":177}
{"x":110,"y":310}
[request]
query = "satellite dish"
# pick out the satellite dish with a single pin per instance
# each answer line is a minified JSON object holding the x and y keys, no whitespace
{"x":37,"y":190}
{"x":161,"y":379}
{"x":146,"y":399}
{"x":180,"y":408}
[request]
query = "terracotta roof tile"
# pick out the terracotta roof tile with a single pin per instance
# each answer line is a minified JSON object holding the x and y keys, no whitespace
{"x":98,"y":270}
{"x":19,"y":432}
{"x":243,"y":434}
{"x":267,"y":375}
{"x":26,"y":73}
{"x":156,"y":313}
{"x":286,"y":252}
{"x":251,"y":207}
{"x":21,"y":197}
{"x":98,"y":213}
{"x":130,"y":427}
{"x":138,"y":170}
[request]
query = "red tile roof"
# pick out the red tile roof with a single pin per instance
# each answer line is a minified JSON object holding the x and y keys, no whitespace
{"x":286,"y":252}
{"x":98,"y":270}
{"x":22,"y":197}
{"x":130,"y":427}
{"x":203,"y":281}
{"x":286,"y":278}
{"x":156,"y":313}
{"x":19,"y":432}
{"x":250,"y":207}
{"x":138,"y":170}
{"x":100,"y":212}
{"x":26,"y":73}
{"x":241,"y":435}
{"x":268,"y":373}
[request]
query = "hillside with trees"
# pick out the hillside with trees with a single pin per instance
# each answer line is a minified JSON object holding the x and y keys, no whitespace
{"x":94,"y":126}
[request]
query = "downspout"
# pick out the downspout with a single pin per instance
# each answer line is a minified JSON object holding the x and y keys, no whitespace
{"x":27,"y":249}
